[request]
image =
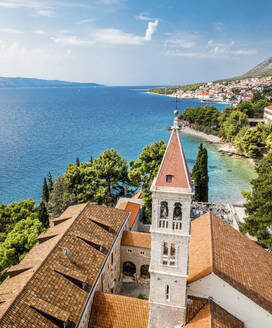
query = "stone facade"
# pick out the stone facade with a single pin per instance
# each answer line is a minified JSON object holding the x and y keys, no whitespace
{"x":169,"y":265}
{"x":138,"y":256}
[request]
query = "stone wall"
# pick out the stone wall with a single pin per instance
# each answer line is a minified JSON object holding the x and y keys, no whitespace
{"x":137,"y":255}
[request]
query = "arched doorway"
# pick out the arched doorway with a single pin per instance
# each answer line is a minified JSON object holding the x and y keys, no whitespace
{"x":129,"y":268}
{"x":145,"y":271}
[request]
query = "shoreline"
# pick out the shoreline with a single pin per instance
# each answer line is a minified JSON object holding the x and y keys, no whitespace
{"x":223,"y":147}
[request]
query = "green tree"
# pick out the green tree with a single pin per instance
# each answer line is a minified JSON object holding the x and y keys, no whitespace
{"x":258,"y":206}
{"x":50,"y":182}
{"x":19,"y":241}
{"x":233,"y":123}
{"x":145,"y":168}
{"x":60,"y":198}
{"x":43,"y":215}
{"x":143,"y":171}
{"x":200,"y":175}
{"x":77,"y":161}
{"x":258,"y":96}
{"x":111,"y":168}
{"x":253,"y":141}
{"x":147,"y":205}
{"x":13,"y":213}
{"x":45,"y":192}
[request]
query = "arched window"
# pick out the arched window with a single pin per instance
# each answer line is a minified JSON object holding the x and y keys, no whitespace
{"x":177,"y":212}
{"x":177,"y":217}
{"x":164,"y":210}
{"x":129,"y":268}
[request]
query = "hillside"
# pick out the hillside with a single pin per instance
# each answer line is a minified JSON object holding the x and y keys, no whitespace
{"x":262,"y":69}
{"x":31,"y":82}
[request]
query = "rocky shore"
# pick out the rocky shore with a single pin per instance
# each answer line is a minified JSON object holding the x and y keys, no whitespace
{"x":223,"y":147}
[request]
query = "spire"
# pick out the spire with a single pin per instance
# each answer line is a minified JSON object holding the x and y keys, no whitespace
{"x":173,"y":171}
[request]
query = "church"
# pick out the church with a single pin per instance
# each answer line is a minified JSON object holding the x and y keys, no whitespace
{"x":202,"y":273}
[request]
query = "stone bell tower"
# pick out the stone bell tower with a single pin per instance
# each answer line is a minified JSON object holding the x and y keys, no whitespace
{"x":172,"y":192}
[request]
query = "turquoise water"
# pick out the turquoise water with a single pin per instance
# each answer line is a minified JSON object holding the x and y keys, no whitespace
{"x":44,"y":129}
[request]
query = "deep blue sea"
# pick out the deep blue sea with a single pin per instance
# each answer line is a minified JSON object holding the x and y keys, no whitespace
{"x":44,"y":129}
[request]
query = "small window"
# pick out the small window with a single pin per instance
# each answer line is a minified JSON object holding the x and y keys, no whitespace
{"x":129,"y":251}
{"x":165,"y":254}
{"x":142,"y":252}
{"x":167,"y":292}
{"x":169,"y":178}
{"x":111,"y":258}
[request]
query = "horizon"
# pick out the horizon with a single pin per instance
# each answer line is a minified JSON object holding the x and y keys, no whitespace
{"x":123,"y":43}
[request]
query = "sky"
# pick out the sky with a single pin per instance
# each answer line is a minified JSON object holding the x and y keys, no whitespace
{"x":133,"y":42}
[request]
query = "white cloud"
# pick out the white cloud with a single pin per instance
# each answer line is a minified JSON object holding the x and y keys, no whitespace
{"x":85,"y":21}
{"x":72,"y":41}
{"x":200,"y":49}
{"x":10,"y":30}
{"x":16,"y":60}
{"x":21,"y":4}
{"x":109,"y":36}
{"x":244,"y":52}
{"x":39,"y":4}
{"x":179,"y":43}
{"x":39,"y":32}
{"x":151,"y":28}
{"x":46,"y":13}
{"x":144,"y":18}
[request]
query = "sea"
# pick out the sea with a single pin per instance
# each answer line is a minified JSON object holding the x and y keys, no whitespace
{"x":45,"y":129}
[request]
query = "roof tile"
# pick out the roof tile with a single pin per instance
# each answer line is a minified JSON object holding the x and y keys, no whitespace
{"x":136,"y":239}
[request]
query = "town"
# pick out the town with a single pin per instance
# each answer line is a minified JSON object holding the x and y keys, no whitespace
{"x":231,"y":92}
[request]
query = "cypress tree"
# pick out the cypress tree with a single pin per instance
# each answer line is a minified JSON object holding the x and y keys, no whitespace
{"x":45,"y":193}
{"x":43,"y":215}
{"x":200,"y":175}
{"x":204,"y":176}
{"x":77,"y":162}
{"x":50,"y":182}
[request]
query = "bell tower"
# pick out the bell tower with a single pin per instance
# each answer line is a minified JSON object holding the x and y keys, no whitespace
{"x":172,"y":192}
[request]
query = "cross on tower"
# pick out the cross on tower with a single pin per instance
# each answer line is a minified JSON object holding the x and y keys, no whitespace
{"x":176,"y":101}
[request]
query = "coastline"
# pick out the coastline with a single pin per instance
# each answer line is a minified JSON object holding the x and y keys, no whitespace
{"x":223,"y":147}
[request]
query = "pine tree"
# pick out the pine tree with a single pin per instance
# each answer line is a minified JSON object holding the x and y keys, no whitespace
{"x":77,"y":162}
{"x":50,"y":182}
{"x":45,"y":193}
{"x":258,"y":205}
{"x":43,"y":215}
{"x":200,"y":175}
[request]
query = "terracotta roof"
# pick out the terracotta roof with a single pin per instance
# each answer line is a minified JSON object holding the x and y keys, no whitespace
{"x":202,"y":313}
{"x":51,"y":290}
{"x":134,"y":210}
{"x":137,"y":239}
{"x":200,"y":249}
{"x":217,"y":247}
{"x":268,"y":107}
{"x":174,"y":164}
{"x":111,"y":310}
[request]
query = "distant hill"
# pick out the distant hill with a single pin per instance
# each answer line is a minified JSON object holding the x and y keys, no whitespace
{"x":262,"y":69}
{"x":30,"y":82}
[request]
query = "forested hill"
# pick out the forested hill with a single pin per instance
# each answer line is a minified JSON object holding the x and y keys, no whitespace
{"x":31,"y":82}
